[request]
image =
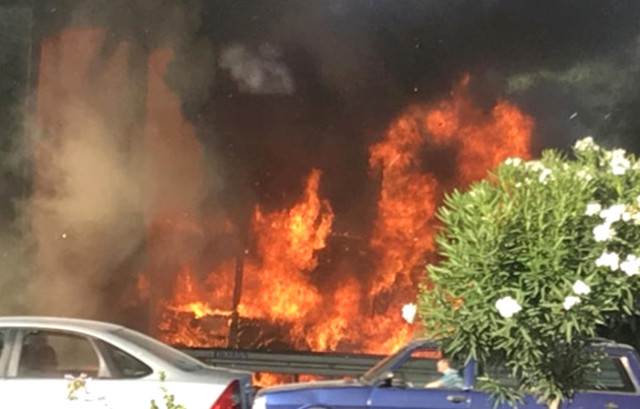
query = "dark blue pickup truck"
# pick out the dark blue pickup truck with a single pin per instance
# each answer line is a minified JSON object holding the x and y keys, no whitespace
{"x":399,"y":380}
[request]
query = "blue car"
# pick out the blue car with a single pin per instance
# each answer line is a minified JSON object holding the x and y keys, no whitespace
{"x":400,"y":380}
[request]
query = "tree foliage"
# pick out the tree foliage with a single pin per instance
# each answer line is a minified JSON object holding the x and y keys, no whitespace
{"x":534,"y":258}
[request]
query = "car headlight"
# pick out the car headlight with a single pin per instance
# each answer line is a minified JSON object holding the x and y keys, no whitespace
{"x":259,"y":403}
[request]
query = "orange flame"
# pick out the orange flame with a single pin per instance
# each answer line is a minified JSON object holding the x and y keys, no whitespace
{"x":283,"y":282}
{"x":484,"y":140}
{"x":279,"y":283}
{"x":404,"y":228}
{"x":287,"y":243}
{"x":191,"y":299}
{"x":264,"y":379}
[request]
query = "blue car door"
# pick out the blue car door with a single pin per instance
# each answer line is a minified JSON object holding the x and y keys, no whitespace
{"x":404,"y":386}
{"x":415,"y":398}
{"x":612,"y":387}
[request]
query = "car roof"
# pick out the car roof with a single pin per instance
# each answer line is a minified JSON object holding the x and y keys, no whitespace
{"x":63,"y":323}
{"x":596,"y":342}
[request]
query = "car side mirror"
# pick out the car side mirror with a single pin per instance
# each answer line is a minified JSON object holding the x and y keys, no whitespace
{"x":390,"y":380}
{"x":386,"y":379}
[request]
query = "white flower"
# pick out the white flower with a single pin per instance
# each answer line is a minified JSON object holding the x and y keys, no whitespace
{"x":584,"y":175}
{"x":593,"y":209}
{"x":619,"y":166}
{"x":610,"y":260}
{"x":535,"y":165}
{"x":409,"y":312}
{"x":570,"y":301}
{"x":580,"y":288}
{"x":544,"y":175}
{"x":584,"y":144}
{"x":631,"y":265}
{"x":619,"y":163}
{"x":508,"y":307}
{"x":513,"y":161}
{"x":618,"y":170}
{"x":626,"y":216}
{"x":613,"y":213}
{"x":603,"y":232}
{"x":636,"y":218}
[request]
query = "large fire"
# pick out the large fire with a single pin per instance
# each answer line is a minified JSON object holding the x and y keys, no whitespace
{"x":355,"y":314}
{"x":278,"y":290}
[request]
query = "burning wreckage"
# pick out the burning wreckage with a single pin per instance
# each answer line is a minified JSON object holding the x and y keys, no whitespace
{"x":290,"y":266}
{"x":295,"y":281}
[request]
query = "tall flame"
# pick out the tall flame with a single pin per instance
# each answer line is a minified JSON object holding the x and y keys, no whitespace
{"x":409,"y":195}
{"x":280,"y":280}
{"x":403,"y":229}
{"x":277,"y":279}
{"x":287,"y":243}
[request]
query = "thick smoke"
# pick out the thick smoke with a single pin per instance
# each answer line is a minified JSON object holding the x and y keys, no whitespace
{"x":85,"y":221}
{"x":16,"y":244}
{"x":86,"y":214}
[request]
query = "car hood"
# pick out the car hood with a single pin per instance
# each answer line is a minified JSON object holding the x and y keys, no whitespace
{"x":309,"y":385}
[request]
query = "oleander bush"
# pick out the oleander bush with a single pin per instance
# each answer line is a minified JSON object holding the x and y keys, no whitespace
{"x":533,"y":260}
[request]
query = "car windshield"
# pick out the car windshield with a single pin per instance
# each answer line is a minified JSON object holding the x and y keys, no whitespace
{"x":383,"y":366}
{"x":163,"y":351}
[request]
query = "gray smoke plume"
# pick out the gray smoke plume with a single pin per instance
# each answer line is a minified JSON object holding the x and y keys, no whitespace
{"x":86,"y":215}
{"x":83,"y":226}
{"x":257,"y":71}
{"x":16,"y":244}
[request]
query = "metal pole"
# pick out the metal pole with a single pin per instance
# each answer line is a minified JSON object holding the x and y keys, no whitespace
{"x":237,"y":292}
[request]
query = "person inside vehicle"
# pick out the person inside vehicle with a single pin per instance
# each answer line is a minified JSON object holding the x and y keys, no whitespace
{"x":450,"y":378}
{"x":37,"y":358}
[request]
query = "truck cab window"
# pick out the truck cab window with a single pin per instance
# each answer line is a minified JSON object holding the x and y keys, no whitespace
{"x":501,"y":374}
{"x":611,"y":376}
{"x":421,"y":370}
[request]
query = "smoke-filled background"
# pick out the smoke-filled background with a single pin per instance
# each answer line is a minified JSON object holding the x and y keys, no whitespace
{"x":125,"y":120}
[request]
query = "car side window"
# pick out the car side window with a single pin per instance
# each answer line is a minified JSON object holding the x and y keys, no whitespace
{"x":611,"y":376}
{"x":501,"y":374}
{"x":418,"y":370}
{"x":125,"y":366}
{"x":53,"y":354}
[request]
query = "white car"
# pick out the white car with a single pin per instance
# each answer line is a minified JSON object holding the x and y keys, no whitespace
{"x":50,"y":362}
